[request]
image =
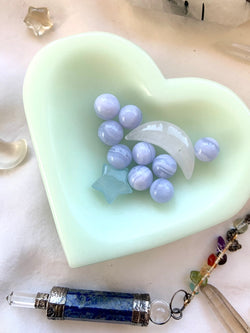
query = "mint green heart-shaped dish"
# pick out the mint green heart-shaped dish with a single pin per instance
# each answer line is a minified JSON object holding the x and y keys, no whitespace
{"x":60,"y":87}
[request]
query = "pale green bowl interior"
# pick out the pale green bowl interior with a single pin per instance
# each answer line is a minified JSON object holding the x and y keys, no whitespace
{"x":60,"y":87}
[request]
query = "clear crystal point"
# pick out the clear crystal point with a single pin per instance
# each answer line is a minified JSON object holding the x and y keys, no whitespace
{"x":228,"y":316}
{"x":22,"y":300}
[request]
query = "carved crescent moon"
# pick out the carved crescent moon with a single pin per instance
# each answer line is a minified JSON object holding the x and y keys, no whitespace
{"x":169,"y":137}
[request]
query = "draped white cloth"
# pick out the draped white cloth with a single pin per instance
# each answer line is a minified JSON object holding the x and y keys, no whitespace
{"x":31,"y":256}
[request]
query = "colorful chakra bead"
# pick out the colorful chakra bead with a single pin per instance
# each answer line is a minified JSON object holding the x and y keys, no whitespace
{"x":221,"y":244}
{"x":161,"y":190}
{"x":241,"y":225}
{"x":223,"y":260}
{"x":119,"y":156}
{"x":204,"y":269}
{"x":206,"y":149}
{"x":231,"y":234}
{"x":234,"y":246}
{"x":192,"y":287}
{"x":130,"y":116}
{"x":106,"y":106}
{"x":204,"y":283}
{"x":140,"y":177}
{"x":211,"y":259}
{"x":143,"y":153}
{"x":164,"y":166}
{"x":196,"y":277}
{"x":110,"y":132}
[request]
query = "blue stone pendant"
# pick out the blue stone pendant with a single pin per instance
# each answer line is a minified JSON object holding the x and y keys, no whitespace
{"x":89,"y":305}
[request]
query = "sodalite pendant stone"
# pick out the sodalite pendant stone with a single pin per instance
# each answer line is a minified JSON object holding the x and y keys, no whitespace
{"x":93,"y":305}
{"x":206,"y":149}
{"x":89,"y":305}
{"x":98,"y":305}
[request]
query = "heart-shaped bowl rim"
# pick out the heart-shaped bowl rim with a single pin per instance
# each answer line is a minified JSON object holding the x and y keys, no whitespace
{"x":71,"y":73}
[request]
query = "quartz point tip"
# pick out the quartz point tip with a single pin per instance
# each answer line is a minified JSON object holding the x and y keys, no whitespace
{"x":228,"y":316}
{"x":21,"y":300}
{"x":9,"y":298}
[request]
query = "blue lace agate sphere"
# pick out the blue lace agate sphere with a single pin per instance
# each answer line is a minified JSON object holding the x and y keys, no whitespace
{"x":110,"y":132}
{"x":143,"y":153}
{"x":106,"y":106}
{"x":206,"y":149}
{"x":119,"y":156}
{"x":161,"y":190}
{"x":130,"y":116}
{"x":140,"y":177}
{"x":164,"y":166}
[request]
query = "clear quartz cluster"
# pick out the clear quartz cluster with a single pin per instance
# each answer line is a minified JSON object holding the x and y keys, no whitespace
{"x":21,"y":300}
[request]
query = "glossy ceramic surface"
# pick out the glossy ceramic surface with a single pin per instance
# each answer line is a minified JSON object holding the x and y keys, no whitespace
{"x":60,"y":88}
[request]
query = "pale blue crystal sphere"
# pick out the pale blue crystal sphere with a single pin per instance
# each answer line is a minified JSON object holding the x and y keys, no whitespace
{"x":110,"y":132}
{"x":206,"y":149}
{"x":164,"y":166}
{"x":161,"y":190}
{"x":140,"y":177}
{"x":106,"y":106}
{"x":130,"y":116}
{"x":119,"y":156}
{"x":143,"y":153}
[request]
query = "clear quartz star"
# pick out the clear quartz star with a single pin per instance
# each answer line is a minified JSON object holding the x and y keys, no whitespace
{"x":38,"y":20}
{"x":112,"y":183}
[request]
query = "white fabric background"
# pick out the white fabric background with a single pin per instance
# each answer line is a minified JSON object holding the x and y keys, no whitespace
{"x":31,"y":256}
